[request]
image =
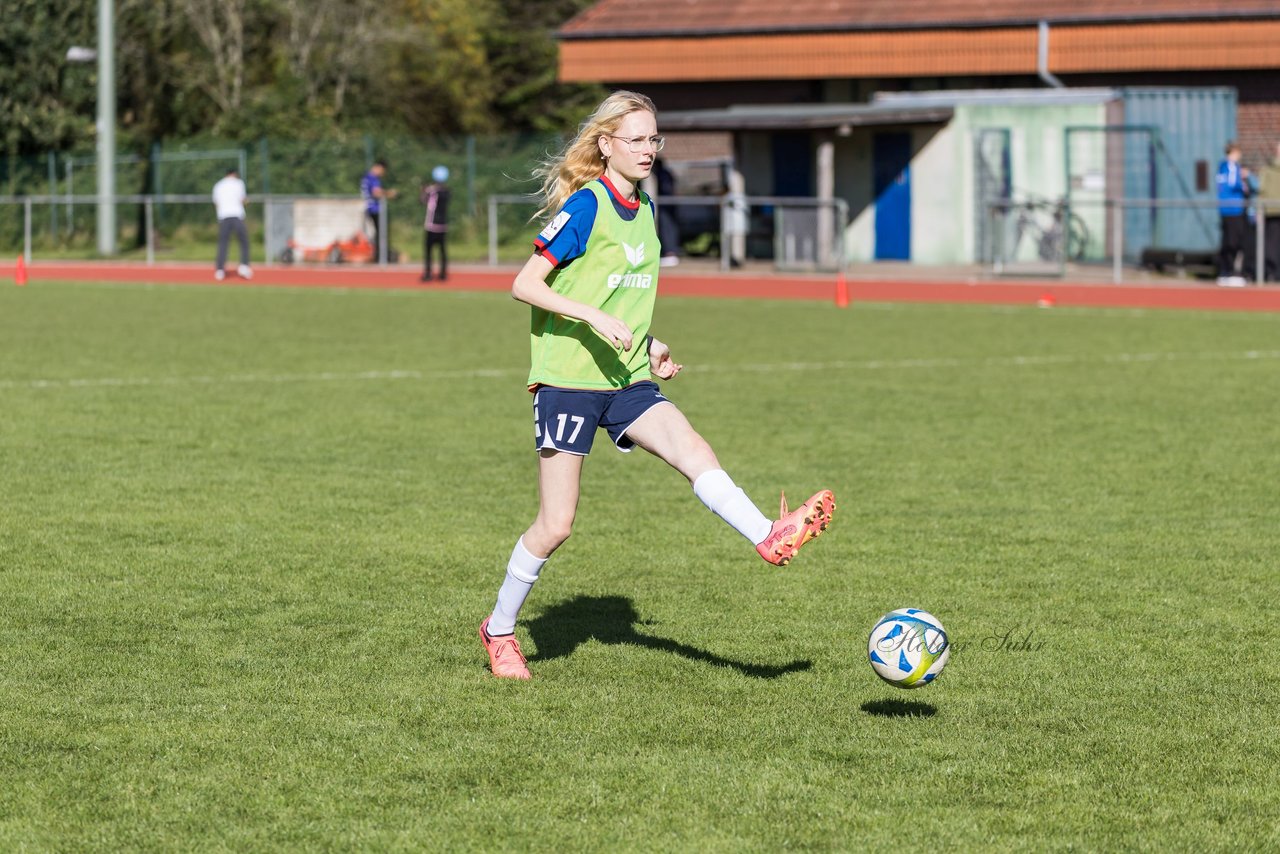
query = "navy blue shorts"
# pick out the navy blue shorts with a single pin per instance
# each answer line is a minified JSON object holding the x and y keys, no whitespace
{"x":565,"y":419}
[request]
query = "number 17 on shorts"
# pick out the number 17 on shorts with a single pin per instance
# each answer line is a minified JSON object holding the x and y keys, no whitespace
{"x":567,"y":419}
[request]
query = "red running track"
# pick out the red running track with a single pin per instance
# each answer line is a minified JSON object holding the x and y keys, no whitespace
{"x":1060,"y":293}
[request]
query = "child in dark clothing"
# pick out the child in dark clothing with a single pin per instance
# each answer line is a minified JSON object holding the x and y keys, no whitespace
{"x":435,"y":197}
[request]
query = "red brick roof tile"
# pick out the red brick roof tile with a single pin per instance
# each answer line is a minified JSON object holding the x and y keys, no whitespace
{"x":614,"y":18}
{"x":1073,"y":49}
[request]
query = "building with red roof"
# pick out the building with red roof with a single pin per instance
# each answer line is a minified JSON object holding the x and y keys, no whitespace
{"x":819,"y":97}
{"x":713,"y":53}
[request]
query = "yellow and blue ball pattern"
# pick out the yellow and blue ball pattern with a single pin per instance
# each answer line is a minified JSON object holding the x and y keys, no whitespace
{"x":908,"y":648}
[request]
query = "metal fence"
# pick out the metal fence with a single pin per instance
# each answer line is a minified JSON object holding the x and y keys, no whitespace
{"x":283,"y":228}
{"x":271,"y":218}
{"x":175,"y":173}
{"x":480,"y":165}
{"x":1045,"y":237}
{"x":795,"y":233}
{"x":1027,"y":236}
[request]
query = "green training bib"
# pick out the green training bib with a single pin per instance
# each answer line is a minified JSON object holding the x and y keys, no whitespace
{"x":618,"y":272}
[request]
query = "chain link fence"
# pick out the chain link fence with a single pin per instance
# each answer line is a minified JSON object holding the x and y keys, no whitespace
{"x":178,"y":178}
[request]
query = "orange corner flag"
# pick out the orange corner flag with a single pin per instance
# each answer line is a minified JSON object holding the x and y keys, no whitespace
{"x":20,"y":271}
{"x":842,"y":292}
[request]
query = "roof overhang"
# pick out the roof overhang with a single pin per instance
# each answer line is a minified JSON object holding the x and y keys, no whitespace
{"x":816,"y":117}
{"x":1043,"y":97}
{"x":1029,"y":20}
{"x":607,"y":19}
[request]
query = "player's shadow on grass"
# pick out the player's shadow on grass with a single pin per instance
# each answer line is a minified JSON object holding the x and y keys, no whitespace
{"x":562,"y":628}
{"x":898,"y":709}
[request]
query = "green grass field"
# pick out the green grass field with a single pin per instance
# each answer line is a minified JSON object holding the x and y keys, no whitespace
{"x":246,"y":537}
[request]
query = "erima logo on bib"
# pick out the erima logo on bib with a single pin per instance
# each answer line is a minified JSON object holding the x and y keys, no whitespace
{"x":635,"y":257}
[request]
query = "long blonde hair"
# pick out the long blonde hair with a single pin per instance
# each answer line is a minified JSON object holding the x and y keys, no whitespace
{"x":581,"y":162}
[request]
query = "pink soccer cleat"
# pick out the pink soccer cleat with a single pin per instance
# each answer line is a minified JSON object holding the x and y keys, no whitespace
{"x":505,"y":659}
{"x":794,"y":529}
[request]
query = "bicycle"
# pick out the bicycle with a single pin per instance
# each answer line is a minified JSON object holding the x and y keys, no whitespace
{"x":1042,"y":221}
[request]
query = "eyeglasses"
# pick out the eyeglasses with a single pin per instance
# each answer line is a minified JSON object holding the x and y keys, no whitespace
{"x":636,"y":144}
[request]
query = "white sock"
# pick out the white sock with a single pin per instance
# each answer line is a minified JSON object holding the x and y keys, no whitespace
{"x":726,"y":499}
{"x":522,"y":572}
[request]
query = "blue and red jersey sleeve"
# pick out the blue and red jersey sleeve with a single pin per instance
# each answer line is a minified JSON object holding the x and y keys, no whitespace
{"x":565,"y":237}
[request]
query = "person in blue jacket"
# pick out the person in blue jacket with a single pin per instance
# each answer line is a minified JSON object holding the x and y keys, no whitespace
{"x":1233,"y":190}
{"x":374,"y":194}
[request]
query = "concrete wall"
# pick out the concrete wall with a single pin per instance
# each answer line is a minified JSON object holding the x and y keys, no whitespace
{"x":755,"y":160}
{"x":944,"y":207}
{"x":854,"y":185}
{"x":939,"y":235}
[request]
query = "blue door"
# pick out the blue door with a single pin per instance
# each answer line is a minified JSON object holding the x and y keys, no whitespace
{"x":891,"y":163}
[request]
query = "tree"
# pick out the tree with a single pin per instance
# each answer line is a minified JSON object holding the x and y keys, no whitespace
{"x":524,"y":62}
{"x":45,"y":104}
{"x":438,"y":77}
{"x":308,"y":28}
{"x":301,"y":68}
{"x":220,"y":27}
{"x":156,"y":98}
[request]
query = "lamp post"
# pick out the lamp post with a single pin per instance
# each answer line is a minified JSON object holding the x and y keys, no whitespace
{"x":106,"y":128}
{"x":106,"y":124}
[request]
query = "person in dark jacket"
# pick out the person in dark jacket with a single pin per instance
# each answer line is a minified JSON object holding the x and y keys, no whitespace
{"x":435,"y":197}
{"x":668,"y":222}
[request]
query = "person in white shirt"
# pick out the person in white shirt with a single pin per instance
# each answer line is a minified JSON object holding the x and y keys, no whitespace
{"x":228,"y":198}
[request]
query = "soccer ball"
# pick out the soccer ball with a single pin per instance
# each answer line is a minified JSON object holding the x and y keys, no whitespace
{"x":908,"y":648}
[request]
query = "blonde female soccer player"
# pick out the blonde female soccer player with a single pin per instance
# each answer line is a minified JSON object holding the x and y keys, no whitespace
{"x":591,"y":284}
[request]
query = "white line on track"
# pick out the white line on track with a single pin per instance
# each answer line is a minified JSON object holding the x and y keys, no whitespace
{"x":234,"y":379}
{"x":772,"y":367}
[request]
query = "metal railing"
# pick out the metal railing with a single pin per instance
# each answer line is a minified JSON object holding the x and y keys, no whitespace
{"x":731,"y":219}
{"x":149,"y":203}
{"x":1044,"y":236}
{"x":796,"y":232}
